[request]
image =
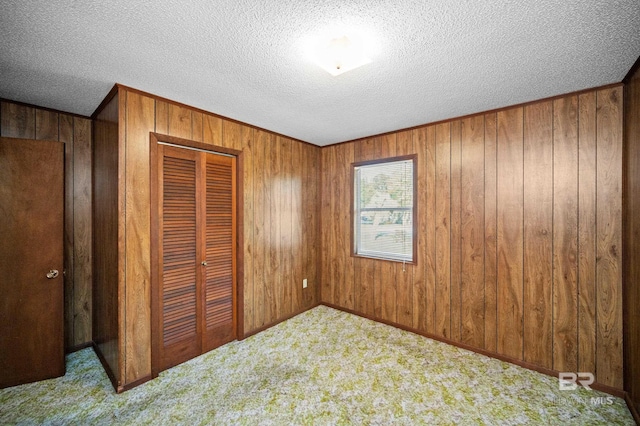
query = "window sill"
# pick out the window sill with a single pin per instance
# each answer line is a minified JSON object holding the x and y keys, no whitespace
{"x":384,"y":259}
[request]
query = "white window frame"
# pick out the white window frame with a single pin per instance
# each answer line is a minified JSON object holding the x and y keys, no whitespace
{"x":356,"y":210}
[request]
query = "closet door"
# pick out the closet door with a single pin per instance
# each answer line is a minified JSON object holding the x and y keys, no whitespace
{"x":180,"y":269}
{"x":194,"y":284}
{"x":220,"y":272}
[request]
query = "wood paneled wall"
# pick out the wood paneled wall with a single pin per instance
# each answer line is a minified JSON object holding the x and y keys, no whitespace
{"x":107,"y":237}
{"x":631,"y":248}
{"x":281,"y":207}
{"x":27,"y":122}
{"x":520,"y":228}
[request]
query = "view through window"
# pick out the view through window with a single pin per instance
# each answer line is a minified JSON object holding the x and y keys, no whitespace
{"x":384,"y":209}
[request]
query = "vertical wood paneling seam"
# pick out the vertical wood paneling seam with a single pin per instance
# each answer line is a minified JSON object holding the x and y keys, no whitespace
{"x":497,"y":259}
{"x":222,"y":139}
{"x":595,"y":301}
{"x":319,"y":271}
{"x":297,"y":260}
{"x":168,"y":119}
{"x":452,"y":237}
{"x":455,"y":245}
{"x":435,"y":227}
{"x":72,"y":191}
{"x":434,"y":222}
{"x":416,"y":223}
{"x":248,"y":185}
{"x":496,"y":230}
{"x":553,"y":230}
{"x":495,"y":190}
{"x":578,"y":239}
{"x":484,"y":242}
{"x":319,"y":220}
{"x":155,"y":117}
{"x":524,"y":237}
{"x":459,"y":242}
{"x":293,"y":284}
{"x":123,"y":152}
{"x":449,"y":231}
{"x":578,"y":234}
{"x":524,"y":234}
{"x":484,"y":228}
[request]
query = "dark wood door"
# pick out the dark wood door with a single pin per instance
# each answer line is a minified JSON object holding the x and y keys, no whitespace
{"x":180,"y":272}
{"x":220,"y":253}
{"x":31,"y":261}
{"x":193,"y":295}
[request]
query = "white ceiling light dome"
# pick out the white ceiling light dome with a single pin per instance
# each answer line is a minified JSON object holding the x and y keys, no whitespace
{"x":341,"y":54}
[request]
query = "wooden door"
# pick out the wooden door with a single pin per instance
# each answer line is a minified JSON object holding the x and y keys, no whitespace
{"x":31,"y":261}
{"x":180,"y":270}
{"x":220,"y":252}
{"x":193,"y":295}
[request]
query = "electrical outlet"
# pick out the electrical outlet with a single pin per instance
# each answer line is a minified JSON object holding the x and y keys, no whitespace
{"x":304,"y":283}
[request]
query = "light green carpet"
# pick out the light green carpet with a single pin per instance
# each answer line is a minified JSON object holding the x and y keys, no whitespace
{"x":321,"y":367}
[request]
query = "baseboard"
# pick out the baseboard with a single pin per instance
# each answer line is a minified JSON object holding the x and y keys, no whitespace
{"x":553,"y":373}
{"x":632,"y":407}
{"x":106,"y":367}
{"x":129,"y":386}
{"x":267,"y":326}
{"x":76,"y":348}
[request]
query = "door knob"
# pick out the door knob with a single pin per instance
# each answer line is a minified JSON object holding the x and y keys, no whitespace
{"x":52,"y":274}
{"x":204,"y":263}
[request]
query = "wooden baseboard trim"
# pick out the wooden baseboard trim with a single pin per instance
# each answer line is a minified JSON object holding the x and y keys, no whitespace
{"x":76,"y":348}
{"x":604,"y":388}
{"x":129,"y":386}
{"x":546,"y":371}
{"x":116,"y":386}
{"x":632,"y":407}
{"x":106,"y":367}
{"x":265,"y":327}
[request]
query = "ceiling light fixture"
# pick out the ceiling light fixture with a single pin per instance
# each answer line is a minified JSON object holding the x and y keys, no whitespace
{"x":341,"y":54}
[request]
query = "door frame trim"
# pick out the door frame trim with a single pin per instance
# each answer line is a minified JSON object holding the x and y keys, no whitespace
{"x":154,"y":140}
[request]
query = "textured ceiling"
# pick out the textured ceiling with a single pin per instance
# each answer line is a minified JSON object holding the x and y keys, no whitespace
{"x":247,"y":60}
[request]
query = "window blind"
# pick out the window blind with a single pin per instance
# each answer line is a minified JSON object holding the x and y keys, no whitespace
{"x":384,"y":209}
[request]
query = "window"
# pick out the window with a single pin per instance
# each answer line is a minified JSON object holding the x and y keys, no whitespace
{"x":384,"y":209}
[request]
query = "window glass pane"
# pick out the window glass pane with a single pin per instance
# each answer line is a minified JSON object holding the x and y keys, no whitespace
{"x":386,"y":234}
{"x":386,"y":185}
{"x":384,"y":210}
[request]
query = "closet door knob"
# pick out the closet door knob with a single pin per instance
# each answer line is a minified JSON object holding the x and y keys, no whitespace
{"x":204,"y":263}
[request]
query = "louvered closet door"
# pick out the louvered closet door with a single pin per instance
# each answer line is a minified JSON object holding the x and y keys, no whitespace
{"x":219,"y":316}
{"x":179,"y":250}
{"x":196,"y":286}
